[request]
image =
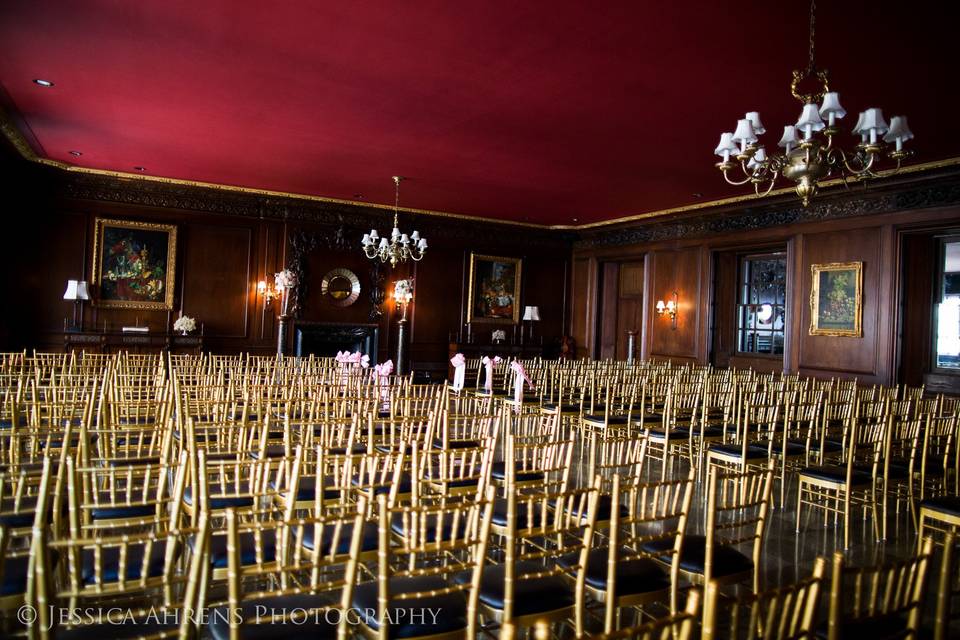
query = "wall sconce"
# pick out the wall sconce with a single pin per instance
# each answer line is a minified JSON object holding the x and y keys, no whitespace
{"x":669,"y":308}
{"x":267,"y":291}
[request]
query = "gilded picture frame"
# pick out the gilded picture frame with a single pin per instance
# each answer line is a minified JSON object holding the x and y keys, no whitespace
{"x":134,"y":264}
{"x":493,"y":294}
{"x":836,"y":299}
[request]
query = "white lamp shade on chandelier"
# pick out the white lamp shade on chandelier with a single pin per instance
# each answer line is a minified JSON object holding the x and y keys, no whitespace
{"x":531,"y":313}
{"x":400,"y":247}
{"x":77,"y":290}
{"x":811,"y":154}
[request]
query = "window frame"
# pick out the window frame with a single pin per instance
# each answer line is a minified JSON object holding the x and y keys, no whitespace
{"x":938,"y":296}
{"x":742,"y":259}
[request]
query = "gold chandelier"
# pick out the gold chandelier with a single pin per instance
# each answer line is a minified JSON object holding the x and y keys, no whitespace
{"x":809,"y":153}
{"x":400,"y":247}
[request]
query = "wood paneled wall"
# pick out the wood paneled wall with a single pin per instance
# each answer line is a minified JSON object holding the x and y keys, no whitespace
{"x":688,"y":265}
{"x":221,"y":257}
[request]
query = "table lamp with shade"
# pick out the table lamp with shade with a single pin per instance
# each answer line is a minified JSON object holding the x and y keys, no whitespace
{"x":78,"y":291}
{"x":531,"y":314}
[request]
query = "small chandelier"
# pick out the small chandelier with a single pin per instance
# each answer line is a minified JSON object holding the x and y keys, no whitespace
{"x":400,"y":247}
{"x":807,"y":158}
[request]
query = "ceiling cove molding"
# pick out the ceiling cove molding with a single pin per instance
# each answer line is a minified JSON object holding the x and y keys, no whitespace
{"x":341,"y":219}
{"x":926,"y":195}
{"x":13,"y":133}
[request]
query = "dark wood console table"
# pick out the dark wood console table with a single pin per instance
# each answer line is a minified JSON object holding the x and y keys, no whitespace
{"x":119,"y":341}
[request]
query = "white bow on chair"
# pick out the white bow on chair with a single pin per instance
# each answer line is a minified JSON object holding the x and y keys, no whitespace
{"x":459,"y":371}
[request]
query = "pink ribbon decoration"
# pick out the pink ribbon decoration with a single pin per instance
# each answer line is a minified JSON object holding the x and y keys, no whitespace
{"x":358,"y":359}
{"x":381,"y":373}
{"x":459,"y":371}
{"x":342,"y":357}
{"x":518,"y":380}
{"x":488,"y":365}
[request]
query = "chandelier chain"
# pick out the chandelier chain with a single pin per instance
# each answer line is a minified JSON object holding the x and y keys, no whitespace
{"x":811,"y":65}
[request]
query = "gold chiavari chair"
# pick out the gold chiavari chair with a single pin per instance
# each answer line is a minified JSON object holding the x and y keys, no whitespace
{"x":307,"y":591}
{"x":881,"y":601}
{"x":395,"y":474}
{"x":127,"y":497}
{"x":847,"y":484}
{"x":219,"y":484}
{"x":757,"y":425}
{"x":947,"y":612}
{"x":544,"y":559}
{"x":134,"y":585}
{"x":628,"y":570}
{"x":788,"y":612}
{"x":18,"y":531}
{"x":934,"y":462}
{"x":428,"y":581}
{"x":676,"y":626}
{"x":738,"y":506}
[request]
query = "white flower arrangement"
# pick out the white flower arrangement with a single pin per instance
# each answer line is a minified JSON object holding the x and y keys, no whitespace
{"x":186,"y":324}
{"x":286,"y":279}
{"x":499,"y":335}
{"x":403,"y":290}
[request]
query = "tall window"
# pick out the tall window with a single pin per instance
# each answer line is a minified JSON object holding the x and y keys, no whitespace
{"x":948,"y":309}
{"x":762,"y":307}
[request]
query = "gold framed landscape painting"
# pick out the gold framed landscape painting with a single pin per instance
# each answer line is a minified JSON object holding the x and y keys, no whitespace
{"x":836,"y":299}
{"x":494,"y":289}
{"x":134,"y":263}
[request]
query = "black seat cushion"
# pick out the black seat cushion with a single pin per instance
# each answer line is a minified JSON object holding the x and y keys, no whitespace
{"x":446,"y":526}
{"x":829,"y":446}
{"x":14,"y":575}
{"x":794,"y":448}
{"x":498,"y":471}
{"x":533,"y":596}
{"x":836,"y":473}
{"x":369,"y":539}
{"x":151,"y":626}
{"x":268,"y":618}
{"x":736,"y":450}
{"x":404,"y":486}
{"x":248,"y":549}
{"x":270,"y":451}
{"x":456,"y":444}
{"x":885,"y":626}
{"x":307,"y":490}
{"x":726,"y":560}
{"x":600,"y":418}
{"x":412,"y":617}
{"x":500,"y":512}
{"x":222,"y":501}
{"x":637,"y":575}
{"x":123,"y":511}
{"x":109,"y":563}
{"x":949,"y":505}
{"x":564,"y":408}
{"x":604,"y":503}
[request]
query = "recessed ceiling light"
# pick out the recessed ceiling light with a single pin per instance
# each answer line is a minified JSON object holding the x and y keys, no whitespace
{"x":576,"y":219}
{"x":139,"y":168}
{"x":42,"y":82}
{"x":76,"y":153}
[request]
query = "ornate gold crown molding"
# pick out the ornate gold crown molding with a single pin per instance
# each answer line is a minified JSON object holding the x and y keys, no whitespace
{"x":23,"y":147}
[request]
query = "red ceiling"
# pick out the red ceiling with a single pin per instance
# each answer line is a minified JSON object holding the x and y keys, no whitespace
{"x":545,"y":112}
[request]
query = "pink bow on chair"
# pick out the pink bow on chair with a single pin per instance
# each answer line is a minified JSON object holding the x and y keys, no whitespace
{"x":519,"y":380}
{"x":488,"y":365}
{"x":358,"y":359}
{"x":381,"y":374}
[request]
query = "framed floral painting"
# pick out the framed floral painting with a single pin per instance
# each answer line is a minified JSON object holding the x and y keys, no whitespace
{"x":836,"y":299}
{"x":133,"y":264}
{"x":494,"y":289}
